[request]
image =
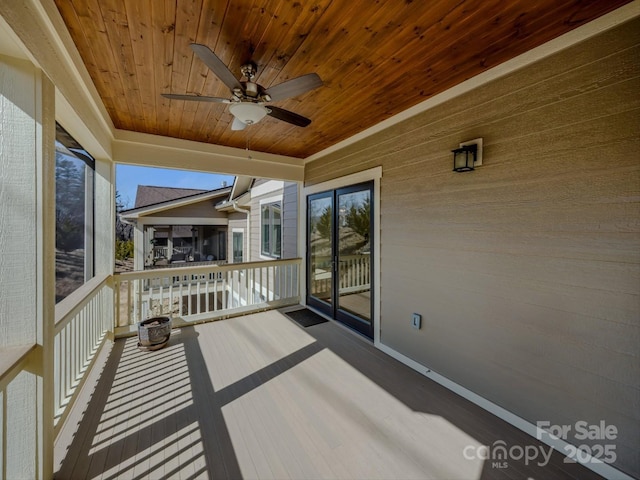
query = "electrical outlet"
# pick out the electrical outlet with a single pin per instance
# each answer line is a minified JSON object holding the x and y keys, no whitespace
{"x":416,"y":321}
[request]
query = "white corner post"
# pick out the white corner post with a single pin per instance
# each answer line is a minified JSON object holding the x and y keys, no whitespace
{"x":27,"y":263}
{"x":139,"y":246}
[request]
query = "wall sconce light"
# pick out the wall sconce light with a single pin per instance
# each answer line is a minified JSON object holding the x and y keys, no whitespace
{"x":467,"y":156}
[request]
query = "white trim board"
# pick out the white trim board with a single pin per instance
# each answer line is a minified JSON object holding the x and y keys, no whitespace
{"x":266,"y":188}
{"x":601,"y":468}
{"x":181,"y":221}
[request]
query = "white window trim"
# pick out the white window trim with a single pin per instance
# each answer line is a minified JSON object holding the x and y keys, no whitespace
{"x":263,"y":201}
{"x":244,"y":241}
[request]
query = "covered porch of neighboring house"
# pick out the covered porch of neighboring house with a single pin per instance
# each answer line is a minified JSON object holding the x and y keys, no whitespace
{"x":175,"y":226}
{"x":177,"y":244}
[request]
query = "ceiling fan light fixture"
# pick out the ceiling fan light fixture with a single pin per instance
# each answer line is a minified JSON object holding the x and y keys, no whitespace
{"x":248,"y":113}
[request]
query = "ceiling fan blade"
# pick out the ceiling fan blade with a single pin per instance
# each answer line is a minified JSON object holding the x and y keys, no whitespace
{"x":196,"y":98}
{"x":293,"y":87}
{"x":238,"y":124}
{"x":216,"y":65}
{"x":287,"y":116}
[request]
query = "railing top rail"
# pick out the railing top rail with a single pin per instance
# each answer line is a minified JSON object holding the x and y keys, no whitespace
{"x":167,"y":272}
{"x":12,"y":361}
{"x":68,"y":307}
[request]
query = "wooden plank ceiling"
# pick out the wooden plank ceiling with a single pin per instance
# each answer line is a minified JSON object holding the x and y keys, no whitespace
{"x":376,"y":58}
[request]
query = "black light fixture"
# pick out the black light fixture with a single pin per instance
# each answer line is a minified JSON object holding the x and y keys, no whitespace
{"x":464,"y":158}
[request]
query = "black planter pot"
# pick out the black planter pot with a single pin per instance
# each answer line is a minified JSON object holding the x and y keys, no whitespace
{"x":154,"y":333}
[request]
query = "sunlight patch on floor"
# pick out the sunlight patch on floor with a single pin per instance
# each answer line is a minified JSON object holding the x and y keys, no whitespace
{"x":324,"y":416}
{"x":240,"y":347}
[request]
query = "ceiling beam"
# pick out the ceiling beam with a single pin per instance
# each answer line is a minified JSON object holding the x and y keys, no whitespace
{"x":143,"y":149}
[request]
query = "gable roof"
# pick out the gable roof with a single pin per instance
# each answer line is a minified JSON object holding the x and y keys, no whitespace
{"x":150,"y":195}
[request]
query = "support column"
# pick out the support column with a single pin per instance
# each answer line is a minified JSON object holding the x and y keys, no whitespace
{"x":138,"y":242}
{"x":27,"y":263}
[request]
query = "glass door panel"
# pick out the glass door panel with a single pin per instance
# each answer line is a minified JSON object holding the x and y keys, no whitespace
{"x":354,"y":253}
{"x":320,"y":248}
{"x":339,"y":233}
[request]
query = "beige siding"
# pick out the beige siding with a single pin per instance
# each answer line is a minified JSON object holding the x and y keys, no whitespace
{"x":290,"y":220}
{"x":526,"y":271}
{"x":254,"y":234}
{"x":204,"y":209}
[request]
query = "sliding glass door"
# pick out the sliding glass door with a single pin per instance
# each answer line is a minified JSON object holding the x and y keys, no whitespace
{"x":339,"y":243}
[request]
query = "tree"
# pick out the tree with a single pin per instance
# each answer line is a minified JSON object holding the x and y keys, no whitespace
{"x":70,"y":203}
{"x":124,"y":233}
{"x":324,"y":223}
{"x":359,"y":218}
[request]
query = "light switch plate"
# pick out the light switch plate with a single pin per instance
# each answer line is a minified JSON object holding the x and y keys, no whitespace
{"x":416,"y":321}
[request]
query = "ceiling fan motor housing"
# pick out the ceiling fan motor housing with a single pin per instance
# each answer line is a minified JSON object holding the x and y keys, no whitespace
{"x":247,"y":112}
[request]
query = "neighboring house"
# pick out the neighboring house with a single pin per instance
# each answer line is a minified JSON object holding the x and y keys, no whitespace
{"x":255,"y":219}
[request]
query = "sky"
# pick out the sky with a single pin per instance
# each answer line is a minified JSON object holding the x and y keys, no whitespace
{"x":128,"y":178}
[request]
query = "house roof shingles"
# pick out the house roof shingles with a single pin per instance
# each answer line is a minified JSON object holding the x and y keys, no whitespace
{"x":150,"y":195}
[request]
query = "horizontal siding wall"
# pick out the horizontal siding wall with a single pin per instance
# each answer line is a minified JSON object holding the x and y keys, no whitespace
{"x":290,"y":220}
{"x":526,"y":271}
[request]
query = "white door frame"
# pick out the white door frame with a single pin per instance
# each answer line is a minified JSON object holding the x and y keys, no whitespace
{"x":372,"y":174}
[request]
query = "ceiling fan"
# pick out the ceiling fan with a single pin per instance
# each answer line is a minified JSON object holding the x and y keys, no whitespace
{"x":248,"y":98}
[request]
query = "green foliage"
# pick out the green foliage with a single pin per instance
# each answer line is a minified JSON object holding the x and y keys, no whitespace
{"x":69,"y":234}
{"x":324,"y":223}
{"x":358,"y":218}
{"x":124,"y":249}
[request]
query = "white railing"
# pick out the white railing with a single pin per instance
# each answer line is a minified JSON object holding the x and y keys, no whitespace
{"x":82,"y":322}
{"x":163,"y":252}
{"x":207,"y":292}
{"x":355,"y":273}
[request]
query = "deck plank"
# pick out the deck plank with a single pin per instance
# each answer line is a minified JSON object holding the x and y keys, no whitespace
{"x":260,"y":397}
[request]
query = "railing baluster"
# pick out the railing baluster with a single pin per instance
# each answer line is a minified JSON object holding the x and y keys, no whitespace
{"x":198,"y":297}
{"x":130,"y":302}
{"x":268,"y":274}
{"x":206,"y":294}
{"x":225,"y":294}
{"x":189,"y":298}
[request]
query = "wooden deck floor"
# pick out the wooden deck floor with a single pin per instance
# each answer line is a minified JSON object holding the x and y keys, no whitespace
{"x":260,"y":397}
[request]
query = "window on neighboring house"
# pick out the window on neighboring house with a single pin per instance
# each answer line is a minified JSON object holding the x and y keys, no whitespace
{"x":74,"y":214}
{"x":238,"y":247}
{"x":271,"y":229}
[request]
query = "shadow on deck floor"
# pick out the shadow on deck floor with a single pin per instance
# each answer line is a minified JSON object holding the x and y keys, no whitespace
{"x":260,"y":397}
